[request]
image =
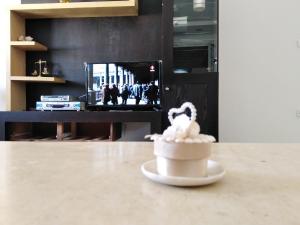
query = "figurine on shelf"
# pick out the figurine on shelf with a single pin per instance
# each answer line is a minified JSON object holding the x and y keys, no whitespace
{"x":35,"y":73}
{"x":25,"y":38}
{"x":28,"y":38}
{"x":45,"y":71}
{"x":21,"y":38}
{"x":64,"y":1}
{"x":41,"y":68}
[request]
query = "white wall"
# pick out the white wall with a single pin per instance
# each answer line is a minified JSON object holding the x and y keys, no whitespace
{"x":4,"y":38}
{"x":259,"y":71}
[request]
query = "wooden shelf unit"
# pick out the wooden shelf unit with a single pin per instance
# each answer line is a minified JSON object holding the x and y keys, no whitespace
{"x":28,"y":45}
{"x":33,"y":79}
{"x":78,"y":9}
{"x":16,"y":77}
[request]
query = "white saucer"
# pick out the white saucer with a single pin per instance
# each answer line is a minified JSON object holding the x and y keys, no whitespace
{"x":215,"y":172}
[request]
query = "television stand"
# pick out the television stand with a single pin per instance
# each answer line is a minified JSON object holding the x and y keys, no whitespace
{"x":113,"y":118}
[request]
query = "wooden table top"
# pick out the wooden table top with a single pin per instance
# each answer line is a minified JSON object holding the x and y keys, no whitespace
{"x":101,"y":183}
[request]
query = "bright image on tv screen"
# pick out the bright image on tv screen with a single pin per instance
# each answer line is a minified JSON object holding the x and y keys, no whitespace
{"x":123,"y":83}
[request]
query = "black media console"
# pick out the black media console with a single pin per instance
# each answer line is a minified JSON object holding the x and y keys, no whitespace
{"x":115,"y":117}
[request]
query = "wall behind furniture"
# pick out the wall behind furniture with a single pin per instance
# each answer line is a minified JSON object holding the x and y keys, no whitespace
{"x":4,"y":40}
{"x":259,"y":71}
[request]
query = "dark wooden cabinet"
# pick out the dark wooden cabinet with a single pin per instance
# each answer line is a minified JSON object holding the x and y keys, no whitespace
{"x":196,"y":58}
{"x":202,"y":91}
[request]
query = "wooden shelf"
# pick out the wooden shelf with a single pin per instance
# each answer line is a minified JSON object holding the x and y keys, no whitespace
{"x":28,"y":45}
{"x":78,"y":9}
{"x":37,"y":79}
{"x":16,"y":85}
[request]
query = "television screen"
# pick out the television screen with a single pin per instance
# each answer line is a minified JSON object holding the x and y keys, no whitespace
{"x":123,"y":83}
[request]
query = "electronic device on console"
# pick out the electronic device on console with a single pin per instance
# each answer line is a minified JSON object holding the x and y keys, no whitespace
{"x":60,"y":106}
{"x":57,"y":98}
{"x":59,"y":103}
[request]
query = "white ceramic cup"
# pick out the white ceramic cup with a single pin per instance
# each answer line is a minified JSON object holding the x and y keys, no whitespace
{"x":181,"y":159}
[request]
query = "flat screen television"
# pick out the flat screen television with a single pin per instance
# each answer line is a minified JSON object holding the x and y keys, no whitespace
{"x":121,"y":85}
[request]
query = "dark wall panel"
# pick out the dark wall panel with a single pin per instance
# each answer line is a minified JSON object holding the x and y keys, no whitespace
{"x":202,"y":91}
{"x":72,"y":42}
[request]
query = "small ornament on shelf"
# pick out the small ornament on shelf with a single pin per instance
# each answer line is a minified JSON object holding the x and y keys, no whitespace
{"x":21,"y":38}
{"x":64,"y":1}
{"x":45,"y":71}
{"x":35,"y":73}
{"x":28,"y":38}
{"x":25,"y":38}
{"x":41,"y":68}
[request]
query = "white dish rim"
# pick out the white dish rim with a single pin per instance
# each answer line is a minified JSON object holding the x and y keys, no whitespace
{"x":184,"y":181}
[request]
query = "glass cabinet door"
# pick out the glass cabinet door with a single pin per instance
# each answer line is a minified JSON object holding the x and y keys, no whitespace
{"x":195,"y":37}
